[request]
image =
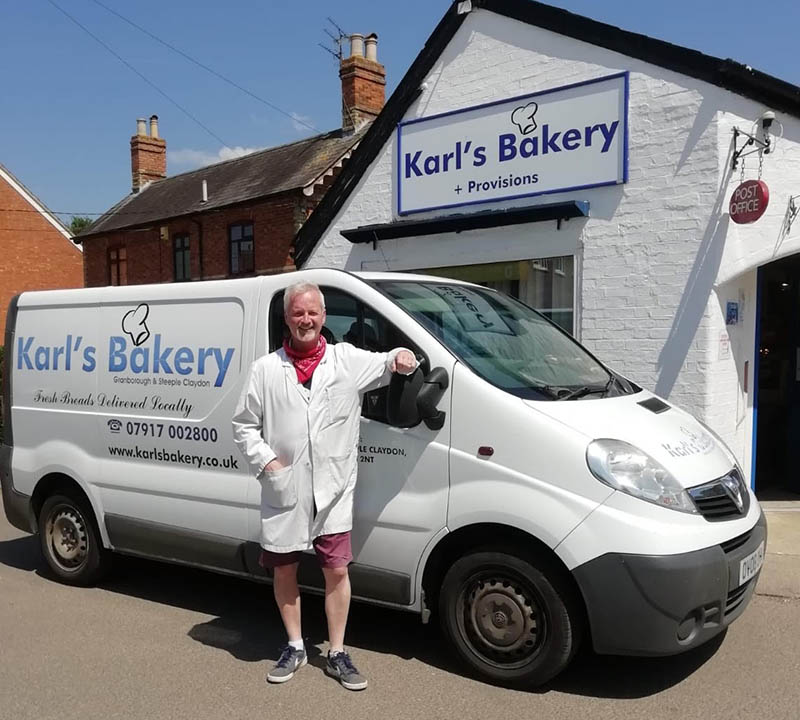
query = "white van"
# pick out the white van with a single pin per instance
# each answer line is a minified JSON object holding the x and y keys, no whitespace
{"x":514,"y":486}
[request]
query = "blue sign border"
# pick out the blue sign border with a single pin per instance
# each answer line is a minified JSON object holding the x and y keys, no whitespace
{"x":626,"y":92}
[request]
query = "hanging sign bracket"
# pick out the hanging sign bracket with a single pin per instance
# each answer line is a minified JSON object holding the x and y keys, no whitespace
{"x":764,"y":146}
{"x":791,"y":211}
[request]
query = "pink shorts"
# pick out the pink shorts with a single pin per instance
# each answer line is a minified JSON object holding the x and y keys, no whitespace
{"x":333,"y":551}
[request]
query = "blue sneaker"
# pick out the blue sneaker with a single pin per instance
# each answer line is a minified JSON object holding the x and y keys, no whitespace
{"x":289,"y":662}
{"x":341,"y":667}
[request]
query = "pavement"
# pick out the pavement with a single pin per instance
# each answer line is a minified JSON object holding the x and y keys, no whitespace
{"x":163,"y":642}
{"x":780,"y":576}
{"x":157,"y":641}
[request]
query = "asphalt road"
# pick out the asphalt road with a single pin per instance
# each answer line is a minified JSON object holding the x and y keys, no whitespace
{"x":159,"y":641}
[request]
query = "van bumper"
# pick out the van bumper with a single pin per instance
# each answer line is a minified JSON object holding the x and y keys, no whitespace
{"x":16,"y":505}
{"x":666,"y":604}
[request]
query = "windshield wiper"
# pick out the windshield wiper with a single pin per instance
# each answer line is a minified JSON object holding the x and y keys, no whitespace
{"x":549,"y":390}
{"x":587,"y":390}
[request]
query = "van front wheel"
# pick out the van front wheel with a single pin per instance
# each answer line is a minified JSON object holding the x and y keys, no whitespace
{"x":510,"y":621}
{"x":71,"y":542}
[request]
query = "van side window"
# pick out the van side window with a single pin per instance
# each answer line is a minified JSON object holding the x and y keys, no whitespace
{"x":351,"y":321}
{"x":276,"y":329}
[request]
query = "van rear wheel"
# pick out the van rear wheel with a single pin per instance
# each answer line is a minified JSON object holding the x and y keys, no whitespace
{"x":511,"y":622}
{"x":71,"y":542}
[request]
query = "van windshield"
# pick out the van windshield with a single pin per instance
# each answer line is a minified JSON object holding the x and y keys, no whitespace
{"x":505,"y":342}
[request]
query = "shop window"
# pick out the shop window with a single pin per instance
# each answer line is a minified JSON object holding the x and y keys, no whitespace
{"x":546,"y":284}
{"x":182,"y":261}
{"x":118,"y":266}
{"x":351,"y":321}
{"x":240,"y":238}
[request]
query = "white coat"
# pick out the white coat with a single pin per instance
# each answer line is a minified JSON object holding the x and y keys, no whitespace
{"x":314,"y":433}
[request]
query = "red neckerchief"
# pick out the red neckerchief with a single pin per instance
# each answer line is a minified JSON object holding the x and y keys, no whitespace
{"x":305,"y":362}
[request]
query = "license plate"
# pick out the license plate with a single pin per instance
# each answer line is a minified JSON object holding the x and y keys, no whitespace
{"x":749,"y":566}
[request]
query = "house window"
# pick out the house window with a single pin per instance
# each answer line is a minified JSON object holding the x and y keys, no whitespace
{"x":180,"y":249}
{"x":117,"y":266}
{"x":241,"y":243}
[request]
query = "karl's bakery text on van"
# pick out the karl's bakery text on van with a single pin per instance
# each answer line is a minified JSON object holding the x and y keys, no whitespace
{"x":143,"y":361}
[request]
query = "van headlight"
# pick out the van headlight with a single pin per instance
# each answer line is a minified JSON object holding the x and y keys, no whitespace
{"x":630,"y":470}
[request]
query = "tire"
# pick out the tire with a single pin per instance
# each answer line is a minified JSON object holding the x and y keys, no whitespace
{"x":511,"y":621}
{"x":70,"y":541}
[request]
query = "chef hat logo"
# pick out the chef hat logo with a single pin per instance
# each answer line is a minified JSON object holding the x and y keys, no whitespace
{"x":523,"y":118}
{"x":133,"y":324}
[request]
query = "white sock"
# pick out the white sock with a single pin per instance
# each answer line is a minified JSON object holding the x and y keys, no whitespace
{"x":297,"y":644}
{"x":333,"y":651}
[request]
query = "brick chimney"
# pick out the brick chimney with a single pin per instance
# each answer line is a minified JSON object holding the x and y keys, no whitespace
{"x":148,"y":154}
{"x":363,"y":83}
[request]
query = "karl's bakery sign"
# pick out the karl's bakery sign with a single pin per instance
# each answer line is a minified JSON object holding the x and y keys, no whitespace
{"x":567,"y":138}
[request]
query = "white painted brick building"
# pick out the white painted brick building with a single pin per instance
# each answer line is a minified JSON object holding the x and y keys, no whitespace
{"x":658,"y":258}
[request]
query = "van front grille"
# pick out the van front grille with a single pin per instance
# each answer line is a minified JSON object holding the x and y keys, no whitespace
{"x":725,"y":498}
{"x":735,"y":597}
{"x":730,"y":545}
{"x":717,"y":508}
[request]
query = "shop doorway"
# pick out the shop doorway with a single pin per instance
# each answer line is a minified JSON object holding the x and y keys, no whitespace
{"x":777,"y":417}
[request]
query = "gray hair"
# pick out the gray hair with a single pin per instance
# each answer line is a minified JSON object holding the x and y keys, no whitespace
{"x":299,"y":288}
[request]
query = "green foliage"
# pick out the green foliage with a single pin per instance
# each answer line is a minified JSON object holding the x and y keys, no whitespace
{"x":79,"y":223}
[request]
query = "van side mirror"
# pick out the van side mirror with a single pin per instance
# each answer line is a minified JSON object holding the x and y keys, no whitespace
{"x":436,"y":382}
{"x":401,"y":401}
{"x":413,"y":398}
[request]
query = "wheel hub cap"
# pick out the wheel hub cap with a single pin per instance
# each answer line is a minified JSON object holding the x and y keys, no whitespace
{"x":503,"y":620}
{"x":500,"y":619}
{"x":68,"y":539}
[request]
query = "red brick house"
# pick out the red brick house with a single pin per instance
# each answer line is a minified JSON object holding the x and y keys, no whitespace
{"x":36,"y":250}
{"x":231,"y":219}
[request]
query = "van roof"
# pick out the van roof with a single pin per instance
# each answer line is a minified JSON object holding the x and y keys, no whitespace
{"x":131,"y":293}
{"x":378,"y":276}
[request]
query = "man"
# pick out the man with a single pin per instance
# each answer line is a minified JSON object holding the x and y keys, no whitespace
{"x":297,"y":422}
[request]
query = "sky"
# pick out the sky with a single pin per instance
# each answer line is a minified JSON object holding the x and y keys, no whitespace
{"x":69,"y":104}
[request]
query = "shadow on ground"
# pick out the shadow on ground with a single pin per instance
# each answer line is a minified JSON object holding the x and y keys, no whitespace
{"x":246,"y":624}
{"x":23,"y":554}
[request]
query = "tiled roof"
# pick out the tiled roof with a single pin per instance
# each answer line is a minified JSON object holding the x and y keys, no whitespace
{"x":260,"y":174}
